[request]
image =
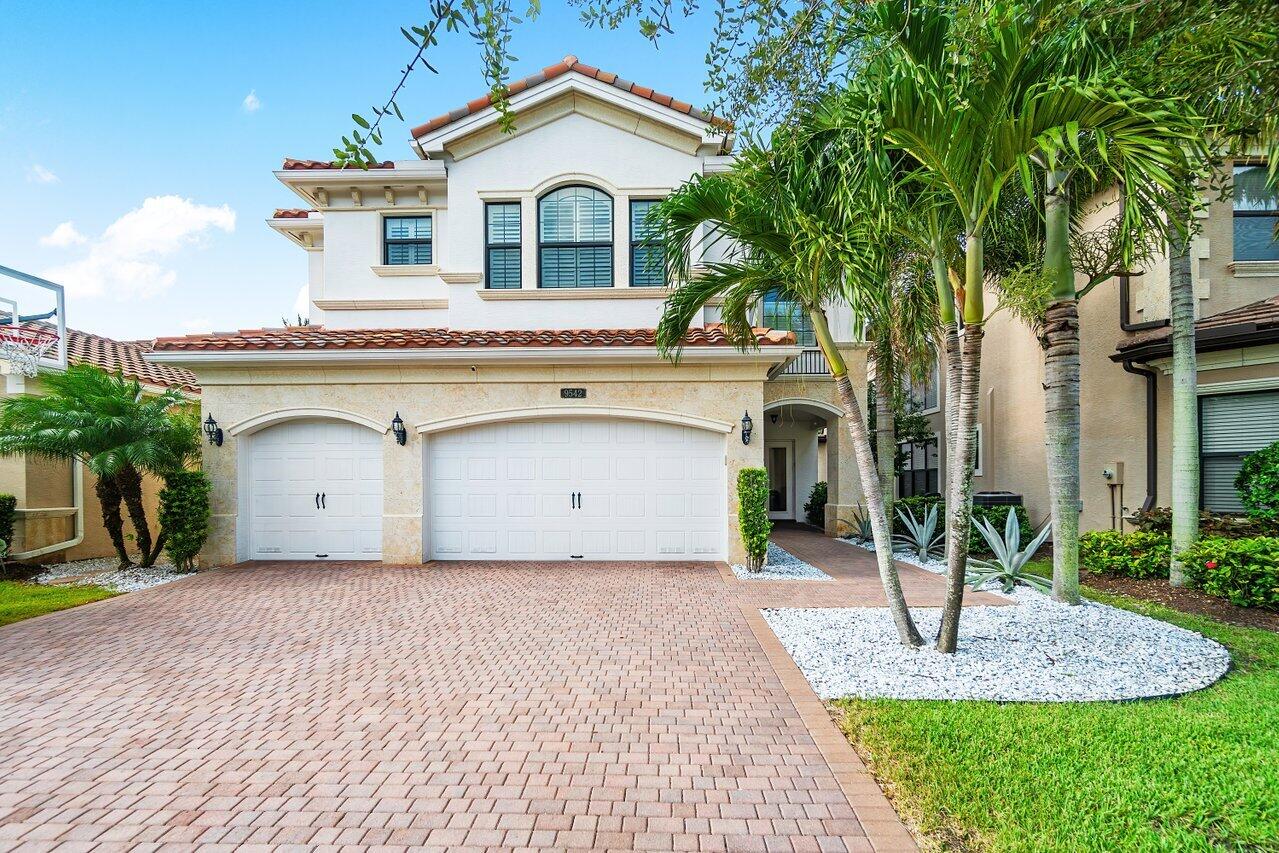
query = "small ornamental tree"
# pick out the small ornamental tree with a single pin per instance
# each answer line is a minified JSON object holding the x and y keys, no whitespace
{"x":1258,"y":482}
{"x":752,"y":515}
{"x":815,"y":509}
{"x":184,"y":515}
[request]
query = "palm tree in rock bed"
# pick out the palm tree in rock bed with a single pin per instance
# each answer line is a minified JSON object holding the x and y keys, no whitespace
{"x":783,"y":234}
{"x":114,"y":429}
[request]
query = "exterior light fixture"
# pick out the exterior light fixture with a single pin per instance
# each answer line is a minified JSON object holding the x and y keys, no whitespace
{"x":747,"y":426}
{"x":397,"y":427}
{"x":212,"y":430}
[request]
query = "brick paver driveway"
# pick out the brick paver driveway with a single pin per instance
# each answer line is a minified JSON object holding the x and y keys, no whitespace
{"x":602,"y":706}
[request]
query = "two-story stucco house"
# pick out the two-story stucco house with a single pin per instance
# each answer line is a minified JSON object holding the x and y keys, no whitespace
{"x":496,"y":295}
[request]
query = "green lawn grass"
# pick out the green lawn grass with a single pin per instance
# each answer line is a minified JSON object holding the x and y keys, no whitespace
{"x":20,"y":601}
{"x":1199,"y":772}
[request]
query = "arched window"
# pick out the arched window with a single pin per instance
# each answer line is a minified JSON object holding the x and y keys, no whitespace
{"x":787,"y":314}
{"x":575,"y":238}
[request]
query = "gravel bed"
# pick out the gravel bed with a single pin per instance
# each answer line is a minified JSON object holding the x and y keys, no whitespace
{"x":781,"y":565}
{"x":1035,"y":651}
{"x":102,"y":571}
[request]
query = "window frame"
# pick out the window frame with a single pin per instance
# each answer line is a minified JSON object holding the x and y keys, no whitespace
{"x":612,"y":231}
{"x":1199,"y":427}
{"x":1236,"y":213}
{"x":387,"y":242}
{"x":804,"y":318}
{"x":899,"y":479}
{"x":633,"y":243}
{"x":518,"y":245}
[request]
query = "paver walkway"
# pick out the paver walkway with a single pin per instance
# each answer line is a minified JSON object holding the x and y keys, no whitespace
{"x":605,"y":706}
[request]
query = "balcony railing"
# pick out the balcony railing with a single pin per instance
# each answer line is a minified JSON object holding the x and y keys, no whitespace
{"x":810,"y":362}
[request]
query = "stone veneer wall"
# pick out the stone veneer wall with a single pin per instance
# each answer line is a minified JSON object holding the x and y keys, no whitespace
{"x":719,"y":392}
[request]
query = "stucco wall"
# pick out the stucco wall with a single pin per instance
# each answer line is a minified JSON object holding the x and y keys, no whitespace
{"x":427,"y":394}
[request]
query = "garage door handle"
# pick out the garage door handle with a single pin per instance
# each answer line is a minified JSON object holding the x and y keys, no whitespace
{"x":317,"y":500}
{"x":322,"y":498}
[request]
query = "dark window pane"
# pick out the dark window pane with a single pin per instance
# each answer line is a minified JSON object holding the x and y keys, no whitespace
{"x":408,"y":253}
{"x":585,"y":266}
{"x":504,"y":269}
{"x":1255,"y":238}
{"x":576,"y":215}
{"x":408,"y":227}
{"x":641,"y":230}
{"x":788,"y":315}
{"x":1251,"y":191}
{"x":646,"y":266}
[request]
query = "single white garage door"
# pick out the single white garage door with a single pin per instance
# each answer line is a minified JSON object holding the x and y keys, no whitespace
{"x":315,"y":492}
{"x":594,"y":489}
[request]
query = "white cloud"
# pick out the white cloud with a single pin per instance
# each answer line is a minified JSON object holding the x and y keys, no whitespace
{"x":251,"y":103}
{"x":63,"y":236}
{"x":124,"y":260}
{"x":40,"y":175}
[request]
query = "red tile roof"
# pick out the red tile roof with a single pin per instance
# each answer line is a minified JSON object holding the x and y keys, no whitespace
{"x":1256,"y":316}
{"x":291,"y":164}
{"x":320,"y":338}
{"x":567,"y":64}
{"x":126,"y":357}
{"x":292,"y":213}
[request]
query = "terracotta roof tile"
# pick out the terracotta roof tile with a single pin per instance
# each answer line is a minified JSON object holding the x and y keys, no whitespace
{"x":292,"y":213}
{"x":320,"y":338}
{"x":290,"y":164}
{"x":569,"y":63}
{"x":1260,"y":315}
{"x":126,"y":357}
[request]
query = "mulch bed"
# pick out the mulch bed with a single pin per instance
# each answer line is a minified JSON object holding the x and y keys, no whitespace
{"x":1185,"y":600}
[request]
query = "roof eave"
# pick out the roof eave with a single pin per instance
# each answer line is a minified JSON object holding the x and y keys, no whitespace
{"x":1237,"y":336}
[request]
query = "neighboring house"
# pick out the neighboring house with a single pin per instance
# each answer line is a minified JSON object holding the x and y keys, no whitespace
{"x":59,"y":517}
{"x":1126,"y":387}
{"x":498,"y":295}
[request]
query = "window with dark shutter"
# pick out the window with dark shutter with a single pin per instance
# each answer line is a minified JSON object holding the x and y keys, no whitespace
{"x":502,"y":246}
{"x":1231,"y":427}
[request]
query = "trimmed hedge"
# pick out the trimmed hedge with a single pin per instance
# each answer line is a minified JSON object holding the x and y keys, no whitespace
{"x":1258,"y":483}
{"x":8,"y":512}
{"x":1159,"y":520}
{"x":1130,"y":555}
{"x":1245,"y":571}
{"x":752,"y":515}
{"x":996,"y":515}
{"x":815,"y":509}
{"x":184,"y":516}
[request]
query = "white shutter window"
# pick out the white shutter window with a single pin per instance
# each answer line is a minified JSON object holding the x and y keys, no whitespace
{"x":1231,"y":427}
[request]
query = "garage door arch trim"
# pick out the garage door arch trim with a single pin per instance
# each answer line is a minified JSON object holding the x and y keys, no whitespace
{"x":553,"y":412}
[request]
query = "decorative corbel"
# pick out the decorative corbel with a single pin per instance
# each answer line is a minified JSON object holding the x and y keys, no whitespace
{"x":356,"y":198}
{"x":389,"y":195}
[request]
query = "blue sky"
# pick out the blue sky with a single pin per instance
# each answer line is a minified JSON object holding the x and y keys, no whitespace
{"x":130,"y":122}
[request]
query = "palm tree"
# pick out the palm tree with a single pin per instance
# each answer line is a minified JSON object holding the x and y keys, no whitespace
{"x":109,"y":425}
{"x":774,"y":211}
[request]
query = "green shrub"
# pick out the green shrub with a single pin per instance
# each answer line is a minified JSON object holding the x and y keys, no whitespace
{"x":184,"y":516}
{"x":1258,"y":482}
{"x":752,"y":515}
{"x":8,"y":512}
{"x":815,"y":509}
{"x":995,"y":515}
{"x":1245,"y":571}
{"x":1159,"y":520}
{"x":1130,"y":555}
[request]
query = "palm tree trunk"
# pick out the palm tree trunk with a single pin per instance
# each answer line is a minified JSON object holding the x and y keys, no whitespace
{"x":950,"y":346}
{"x":130,"y":481}
{"x":108,"y":493}
{"x":880,"y":530}
{"x":1185,"y":414}
{"x":960,"y":492}
{"x":1061,"y":392}
{"x":885,"y":427}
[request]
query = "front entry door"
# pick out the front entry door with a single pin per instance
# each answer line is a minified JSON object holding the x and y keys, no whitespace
{"x":779,"y":460}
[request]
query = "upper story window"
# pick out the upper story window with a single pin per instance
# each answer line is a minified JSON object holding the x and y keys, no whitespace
{"x":406,"y":240}
{"x":575,"y":238}
{"x":502,"y":246}
{"x":647,"y":268}
{"x":924,"y":396}
{"x":787,"y":314}
{"x":1256,"y":214}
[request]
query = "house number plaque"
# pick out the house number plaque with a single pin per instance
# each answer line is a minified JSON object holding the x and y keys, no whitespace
{"x":573,"y":393}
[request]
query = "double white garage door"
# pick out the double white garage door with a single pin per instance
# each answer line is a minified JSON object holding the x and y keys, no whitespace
{"x":593,"y":489}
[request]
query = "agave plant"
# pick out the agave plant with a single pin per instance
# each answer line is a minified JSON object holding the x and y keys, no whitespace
{"x":921,"y":537}
{"x":1009,"y":563}
{"x":861,"y":523}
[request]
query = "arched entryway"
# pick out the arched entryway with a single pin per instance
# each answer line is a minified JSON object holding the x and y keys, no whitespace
{"x":609,"y":484}
{"x":795,"y":452}
{"x":310,"y":486}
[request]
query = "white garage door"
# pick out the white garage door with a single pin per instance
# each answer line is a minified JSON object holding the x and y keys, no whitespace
{"x":594,"y":489}
{"x":316,"y":492}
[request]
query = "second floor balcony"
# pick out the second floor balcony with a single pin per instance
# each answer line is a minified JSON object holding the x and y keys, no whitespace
{"x":810,"y":362}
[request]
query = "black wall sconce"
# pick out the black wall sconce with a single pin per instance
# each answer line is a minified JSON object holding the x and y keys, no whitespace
{"x":747,"y":426}
{"x":397,"y":427}
{"x":212,"y":430}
